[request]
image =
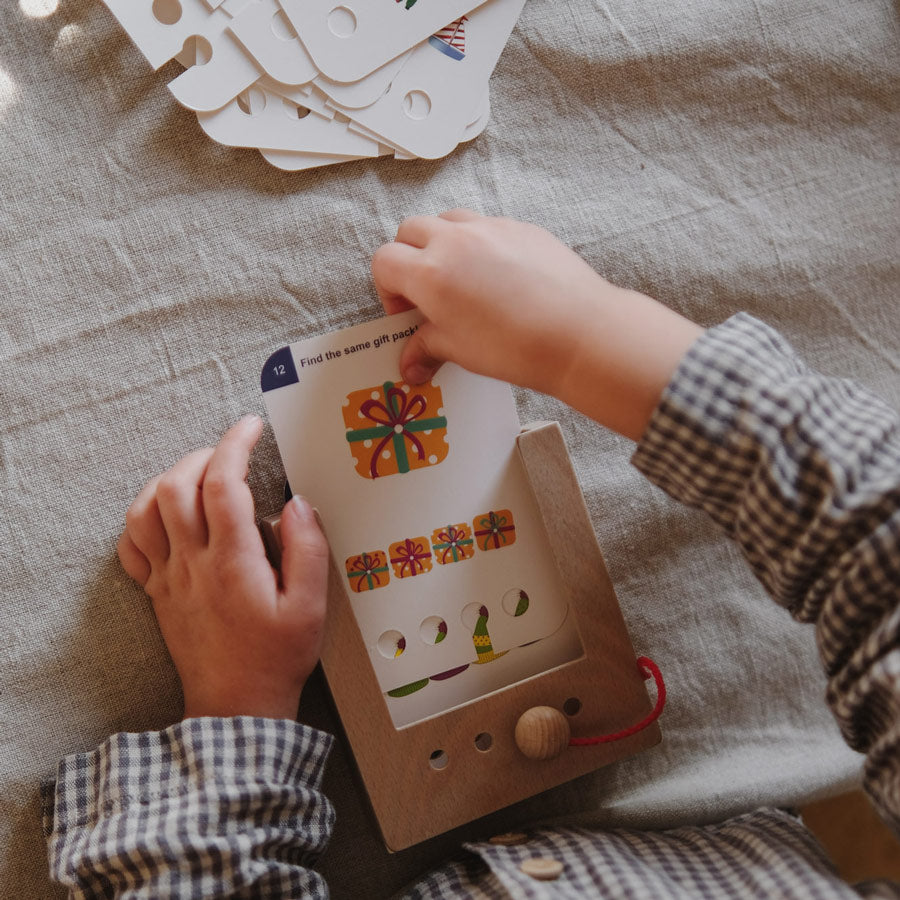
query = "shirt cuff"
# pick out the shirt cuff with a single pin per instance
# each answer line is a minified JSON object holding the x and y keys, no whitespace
{"x":212,"y":755}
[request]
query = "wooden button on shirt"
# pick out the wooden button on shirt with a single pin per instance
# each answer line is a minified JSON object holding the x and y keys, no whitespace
{"x":544,"y":868}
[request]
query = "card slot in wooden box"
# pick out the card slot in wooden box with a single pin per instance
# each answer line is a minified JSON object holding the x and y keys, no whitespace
{"x":411,"y":798}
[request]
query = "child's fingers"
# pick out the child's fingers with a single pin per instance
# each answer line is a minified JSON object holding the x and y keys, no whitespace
{"x":144,"y":524}
{"x":304,"y":560}
{"x":417,"y":231}
{"x":179,"y":500}
{"x":133,"y":561}
{"x":393,"y":304}
{"x":420,"y":359}
{"x":393,"y":266}
{"x":227,"y":501}
{"x":460,"y":215}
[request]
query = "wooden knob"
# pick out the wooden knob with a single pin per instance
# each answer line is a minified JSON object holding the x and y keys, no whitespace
{"x":542,"y":732}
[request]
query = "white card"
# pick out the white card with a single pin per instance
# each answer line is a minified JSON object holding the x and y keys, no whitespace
{"x":263,"y":120}
{"x":210,"y":85}
{"x":294,"y":161}
{"x":268,"y":36}
{"x":306,"y":95}
{"x":436,"y":95}
{"x":472,"y":130}
{"x":356,"y":94}
{"x":349,"y":40}
{"x":431,"y":519}
{"x":232,"y":7}
{"x":160,"y":30}
{"x":398,"y":152}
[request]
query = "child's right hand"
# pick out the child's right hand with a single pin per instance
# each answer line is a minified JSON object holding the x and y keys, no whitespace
{"x":506,"y":299}
{"x":502,"y":298}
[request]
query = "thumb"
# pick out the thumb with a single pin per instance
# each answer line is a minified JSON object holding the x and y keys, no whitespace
{"x":304,"y":558}
{"x":419,"y":360}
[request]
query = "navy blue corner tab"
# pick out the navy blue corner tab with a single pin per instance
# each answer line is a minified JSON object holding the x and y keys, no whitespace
{"x":279,"y":370}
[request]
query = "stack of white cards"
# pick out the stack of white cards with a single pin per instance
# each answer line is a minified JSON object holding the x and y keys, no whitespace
{"x":315,"y":82}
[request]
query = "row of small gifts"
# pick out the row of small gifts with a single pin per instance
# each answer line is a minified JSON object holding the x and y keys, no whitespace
{"x":492,"y":530}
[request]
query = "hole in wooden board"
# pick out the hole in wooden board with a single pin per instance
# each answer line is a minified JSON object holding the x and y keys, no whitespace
{"x":484,"y":742}
{"x":439,"y":760}
{"x":167,"y":12}
{"x":572,"y":706}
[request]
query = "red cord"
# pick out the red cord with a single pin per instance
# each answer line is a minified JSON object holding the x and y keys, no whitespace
{"x":648,"y":669}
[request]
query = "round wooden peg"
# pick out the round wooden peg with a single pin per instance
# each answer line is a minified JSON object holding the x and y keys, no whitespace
{"x":542,"y":732}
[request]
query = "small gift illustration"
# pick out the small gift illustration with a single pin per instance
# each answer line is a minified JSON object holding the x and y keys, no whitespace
{"x":494,"y":529}
{"x":452,"y":544}
{"x":368,"y":571}
{"x":410,"y":557}
{"x":395,"y":428}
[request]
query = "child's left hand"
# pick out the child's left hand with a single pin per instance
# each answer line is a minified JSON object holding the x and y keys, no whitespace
{"x":243,"y":639}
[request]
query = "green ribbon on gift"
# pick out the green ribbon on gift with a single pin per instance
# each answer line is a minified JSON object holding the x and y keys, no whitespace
{"x":493,"y":527}
{"x":367,"y":571}
{"x":453,"y":542}
{"x":401,"y":420}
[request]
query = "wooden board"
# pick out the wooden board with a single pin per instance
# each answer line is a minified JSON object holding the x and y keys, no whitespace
{"x":412,"y":797}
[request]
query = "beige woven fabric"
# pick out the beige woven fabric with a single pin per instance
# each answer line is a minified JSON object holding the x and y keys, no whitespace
{"x":717,"y":154}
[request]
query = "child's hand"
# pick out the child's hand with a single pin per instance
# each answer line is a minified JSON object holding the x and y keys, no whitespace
{"x":502,"y":298}
{"x":243,"y":640}
{"x":508,"y":300}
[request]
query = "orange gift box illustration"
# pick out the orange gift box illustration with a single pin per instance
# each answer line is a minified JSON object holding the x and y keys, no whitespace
{"x":410,"y":557}
{"x":452,"y":543}
{"x":368,"y":571}
{"x":494,"y":530}
{"x":394,"y":428}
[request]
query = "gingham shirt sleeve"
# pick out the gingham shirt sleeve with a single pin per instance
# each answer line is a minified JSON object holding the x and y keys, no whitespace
{"x":803,"y":472}
{"x":206,"y":808}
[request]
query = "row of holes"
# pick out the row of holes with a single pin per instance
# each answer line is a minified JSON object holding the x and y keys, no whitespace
{"x":392,"y":643}
{"x":440,"y":759}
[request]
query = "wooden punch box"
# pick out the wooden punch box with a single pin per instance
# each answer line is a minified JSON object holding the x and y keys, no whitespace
{"x":463,"y":763}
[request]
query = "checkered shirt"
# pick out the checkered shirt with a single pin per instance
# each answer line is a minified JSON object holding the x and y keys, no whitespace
{"x":802,"y":471}
{"x":206,"y":808}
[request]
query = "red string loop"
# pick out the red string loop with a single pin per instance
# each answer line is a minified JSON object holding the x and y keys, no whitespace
{"x":648,"y":669}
